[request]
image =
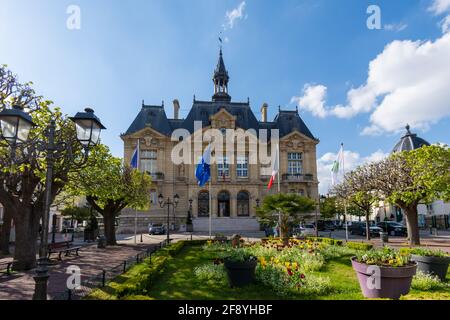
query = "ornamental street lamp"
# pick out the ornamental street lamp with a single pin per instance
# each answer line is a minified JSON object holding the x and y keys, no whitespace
{"x":168,"y":203}
{"x":16,"y":126}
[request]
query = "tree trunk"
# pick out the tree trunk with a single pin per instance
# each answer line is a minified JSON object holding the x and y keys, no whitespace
{"x":5,"y":232}
{"x":367,"y":226}
{"x":412,"y":223}
{"x":26,"y":226}
{"x":110,"y":229}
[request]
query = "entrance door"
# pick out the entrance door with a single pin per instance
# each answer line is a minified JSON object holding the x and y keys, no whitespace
{"x":223,"y":204}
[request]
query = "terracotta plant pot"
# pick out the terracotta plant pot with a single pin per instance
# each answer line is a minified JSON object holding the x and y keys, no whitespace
{"x":436,"y":266}
{"x":240,"y":274}
{"x":394,"y":282}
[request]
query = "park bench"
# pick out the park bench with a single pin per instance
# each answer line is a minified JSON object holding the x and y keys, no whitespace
{"x":5,"y":267}
{"x":62,"y":247}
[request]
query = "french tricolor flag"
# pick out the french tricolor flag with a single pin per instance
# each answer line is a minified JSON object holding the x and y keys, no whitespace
{"x":275,"y":168}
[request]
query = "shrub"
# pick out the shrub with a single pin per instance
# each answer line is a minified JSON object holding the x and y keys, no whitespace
{"x":330,"y":241}
{"x":426,"y":282}
{"x":210,"y":271}
{"x":360,"y":246}
{"x":137,"y":297}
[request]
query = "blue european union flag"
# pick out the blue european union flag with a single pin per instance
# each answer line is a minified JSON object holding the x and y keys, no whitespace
{"x":203,"y":170}
{"x":135,"y":159}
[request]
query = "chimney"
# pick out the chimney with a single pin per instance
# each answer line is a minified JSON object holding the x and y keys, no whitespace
{"x":176,"y":109}
{"x":264,"y":112}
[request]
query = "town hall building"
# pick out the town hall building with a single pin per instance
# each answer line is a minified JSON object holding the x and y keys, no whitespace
{"x":236,"y":188}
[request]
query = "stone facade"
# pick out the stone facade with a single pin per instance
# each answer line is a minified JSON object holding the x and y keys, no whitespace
{"x":236,"y":190}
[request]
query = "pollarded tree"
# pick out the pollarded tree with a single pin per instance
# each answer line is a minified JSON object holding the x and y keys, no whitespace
{"x":285,"y":209}
{"x":22,"y":191}
{"x":357,"y":190}
{"x":12,"y":92}
{"x":409,"y":178}
{"x":110,"y":186}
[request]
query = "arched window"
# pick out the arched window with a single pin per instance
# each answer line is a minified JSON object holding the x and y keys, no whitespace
{"x":203,"y":204}
{"x":243,"y":204}
{"x":223,"y":199}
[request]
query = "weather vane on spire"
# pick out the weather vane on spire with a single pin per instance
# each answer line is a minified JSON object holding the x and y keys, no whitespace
{"x":220,"y":40}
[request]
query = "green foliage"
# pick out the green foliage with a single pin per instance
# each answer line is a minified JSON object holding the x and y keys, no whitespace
{"x":108,"y":182}
{"x":329,"y":241}
{"x":361,"y":246}
{"x":285,"y":208}
{"x":420,"y":175}
{"x":427,"y":282}
{"x":425,"y":252}
{"x":77,"y":213}
{"x":138,"y":280}
{"x":210,"y":271}
{"x":384,"y":257}
{"x":329,"y":208}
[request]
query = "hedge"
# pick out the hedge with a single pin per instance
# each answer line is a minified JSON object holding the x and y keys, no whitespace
{"x":329,"y":241}
{"x":140,"y":277}
{"x":359,"y":246}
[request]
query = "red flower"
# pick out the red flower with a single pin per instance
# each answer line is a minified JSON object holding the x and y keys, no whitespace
{"x":302,"y":276}
{"x":289,"y":271}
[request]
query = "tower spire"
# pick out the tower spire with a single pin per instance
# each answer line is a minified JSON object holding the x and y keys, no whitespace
{"x":220,"y":80}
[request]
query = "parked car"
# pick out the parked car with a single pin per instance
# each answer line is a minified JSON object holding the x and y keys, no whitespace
{"x":393,"y":228}
{"x":306,"y":230}
{"x":359,"y":228}
{"x":325,"y":225}
{"x":156,"y":229}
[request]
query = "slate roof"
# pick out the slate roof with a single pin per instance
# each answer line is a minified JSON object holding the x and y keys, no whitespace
{"x":155,"y":117}
{"x":410,"y":141}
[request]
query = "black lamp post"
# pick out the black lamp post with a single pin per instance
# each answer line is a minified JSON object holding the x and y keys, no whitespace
{"x":168,"y":203}
{"x":16,"y":126}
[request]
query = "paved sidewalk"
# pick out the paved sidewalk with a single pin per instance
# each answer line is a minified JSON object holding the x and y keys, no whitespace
{"x":91,"y":261}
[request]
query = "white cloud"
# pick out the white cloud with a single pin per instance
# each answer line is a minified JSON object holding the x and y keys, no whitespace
{"x":313,"y":100}
{"x":397,"y":27}
{"x":445,"y":24}
{"x":351,"y":161}
{"x":407,"y":83}
{"x":235,"y":14}
{"x":439,"y":6}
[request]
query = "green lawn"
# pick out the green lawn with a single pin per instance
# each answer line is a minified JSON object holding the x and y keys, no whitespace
{"x":179,"y":282}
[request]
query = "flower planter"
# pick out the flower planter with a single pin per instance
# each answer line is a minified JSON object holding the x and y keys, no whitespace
{"x":393,"y":283}
{"x":240,"y":274}
{"x":436,"y":266}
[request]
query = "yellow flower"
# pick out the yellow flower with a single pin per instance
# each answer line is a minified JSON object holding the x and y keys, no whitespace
{"x":287,"y":264}
{"x":294,"y":265}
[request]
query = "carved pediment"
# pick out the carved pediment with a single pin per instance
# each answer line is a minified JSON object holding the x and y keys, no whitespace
{"x":223,"y":119}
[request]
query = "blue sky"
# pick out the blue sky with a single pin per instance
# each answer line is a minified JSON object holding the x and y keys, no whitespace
{"x":158,"y":50}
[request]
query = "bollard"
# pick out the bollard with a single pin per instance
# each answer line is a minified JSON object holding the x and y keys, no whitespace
{"x":69,"y":294}
{"x":103,"y":278}
{"x":125,"y":266}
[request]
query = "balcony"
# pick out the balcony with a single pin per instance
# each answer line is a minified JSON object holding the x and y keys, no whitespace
{"x":298,"y":177}
{"x":157,"y":176}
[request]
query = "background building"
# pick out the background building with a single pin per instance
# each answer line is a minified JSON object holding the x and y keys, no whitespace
{"x":236,"y":187}
{"x":436,"y":214}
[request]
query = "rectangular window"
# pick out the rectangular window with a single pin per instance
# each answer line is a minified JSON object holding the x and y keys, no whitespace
{"x":223,"y":167}
{"x":148,"y":161}
{"x":242,"y":167}
{"x":295,"y":163}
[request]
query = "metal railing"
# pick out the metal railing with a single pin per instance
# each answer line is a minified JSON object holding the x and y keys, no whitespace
{"x":298,"y":177}
{"x":101,"y":279}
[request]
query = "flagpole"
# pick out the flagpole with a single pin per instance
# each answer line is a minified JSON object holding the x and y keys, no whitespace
{"x":279,"y":187}
{"x":345,"y":201}
{"x":210,"y":209}
{"x":136,"y":210}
